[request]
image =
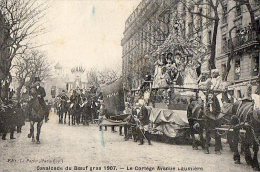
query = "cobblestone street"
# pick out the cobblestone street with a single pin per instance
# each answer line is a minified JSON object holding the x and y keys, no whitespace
{"x":63,"y":145}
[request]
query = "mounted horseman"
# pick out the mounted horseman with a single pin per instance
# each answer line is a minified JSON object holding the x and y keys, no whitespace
{"x":75,"y":107}
{"x":37,"y":108}
{"x":40,"y":91}
{"x":63,"y":106}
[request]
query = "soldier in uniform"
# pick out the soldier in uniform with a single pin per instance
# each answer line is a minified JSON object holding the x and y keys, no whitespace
{"x":143,"y":117}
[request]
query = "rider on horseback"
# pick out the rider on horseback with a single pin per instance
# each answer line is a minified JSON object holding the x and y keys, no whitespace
{"x":40,"y":91}
{"x":74,"y":97}
{"x":63,"y":96}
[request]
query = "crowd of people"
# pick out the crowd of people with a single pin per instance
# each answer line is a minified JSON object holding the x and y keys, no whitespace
{"x":171,"y":69}
{"x":14,"y":113}
{"x":136,"y":123}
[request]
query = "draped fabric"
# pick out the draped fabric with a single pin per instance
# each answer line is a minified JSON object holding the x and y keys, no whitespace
{"x":178,"y":117}
{"x":168,"y":121}
{"x":113,"y":97}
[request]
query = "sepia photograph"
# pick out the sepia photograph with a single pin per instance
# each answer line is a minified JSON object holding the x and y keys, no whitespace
{"x":129,"y":85}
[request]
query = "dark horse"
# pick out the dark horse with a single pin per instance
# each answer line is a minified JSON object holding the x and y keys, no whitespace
{"x":245,"y":117}
{"x":194,"y":115}
{"x":75,"y":111}
{"x":37,"y":114}
{"x":206,"y":116}
{"x":63,"y":107}
{"x":86,"y":113}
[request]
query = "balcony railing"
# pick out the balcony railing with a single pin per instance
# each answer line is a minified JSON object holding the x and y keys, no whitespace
{"x":240,"y":40}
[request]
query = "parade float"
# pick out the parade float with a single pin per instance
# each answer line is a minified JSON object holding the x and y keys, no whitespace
{"x":167,"y":102}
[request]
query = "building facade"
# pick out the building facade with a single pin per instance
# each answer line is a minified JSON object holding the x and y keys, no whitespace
{"x":142,"y":38}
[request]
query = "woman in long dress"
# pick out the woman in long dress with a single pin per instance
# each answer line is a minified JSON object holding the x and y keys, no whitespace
{"x":190,"y":76}
{"x":158,"y":72}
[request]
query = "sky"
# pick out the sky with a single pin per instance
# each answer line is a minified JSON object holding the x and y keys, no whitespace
{"x":86,"y":32}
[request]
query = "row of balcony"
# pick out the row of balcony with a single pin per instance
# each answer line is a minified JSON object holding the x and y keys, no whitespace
{"x":240,"y":40}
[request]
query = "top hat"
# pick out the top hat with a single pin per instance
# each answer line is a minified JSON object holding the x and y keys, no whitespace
{"x":37,"y":79}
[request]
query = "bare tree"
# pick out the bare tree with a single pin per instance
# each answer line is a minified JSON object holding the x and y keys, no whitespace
{"x":28,"y":66}
{"x":100,"y":77}
{"x":20,"y":24}
{"x":208,"y":9}
{"x":92,"y":77}
{"x":107,"y":76}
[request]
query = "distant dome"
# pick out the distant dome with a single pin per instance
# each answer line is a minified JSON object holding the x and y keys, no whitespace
{"x":78,"y":69}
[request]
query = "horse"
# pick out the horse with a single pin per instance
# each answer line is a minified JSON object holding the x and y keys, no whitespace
{"x":194,"y":114}
{"x":247,"y":118}
{"x":86,"y":113}
{"x":63,"y":107}
{"x":207,"y":116}
{"x":75,"y":111}
{"x":37,"y":113}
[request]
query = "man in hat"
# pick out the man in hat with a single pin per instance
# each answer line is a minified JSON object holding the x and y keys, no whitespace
{"x":63,"y":96}
{"x":143,"y":117}
{"x":40,"y":94}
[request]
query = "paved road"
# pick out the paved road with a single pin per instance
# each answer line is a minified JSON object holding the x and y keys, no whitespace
{"x":65,"y":146}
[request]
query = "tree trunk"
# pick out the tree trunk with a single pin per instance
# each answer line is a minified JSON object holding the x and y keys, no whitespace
{"x":252,"y":15}
{"x":231,"y":55}
{"x":213,"y":45}
{"x":18,"y":90}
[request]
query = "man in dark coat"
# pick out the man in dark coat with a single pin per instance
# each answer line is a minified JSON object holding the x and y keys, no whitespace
{"x":143,"y":117}
{"x":40,"y":94}
{"x":63,"y":96}
{"x":194,"y":112}
{"x":8,"y":117}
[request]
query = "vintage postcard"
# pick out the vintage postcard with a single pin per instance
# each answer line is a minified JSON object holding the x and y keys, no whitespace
{"x":129,"y":85}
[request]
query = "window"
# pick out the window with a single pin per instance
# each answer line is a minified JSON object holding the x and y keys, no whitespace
{"x":239,"y":94}
{"x":258,"y":25}
{"x":224,"y":43}
{"x":224,"y":14}
{"x":209,"y":37}
{"x":200,"y":19}
{"x":237,"y":69}
{"x":200,"y":39}
{"x":184,"y":8}
{"x":223,"y":70}
{"x":238,"y":9}
{"x":183,"y":28}
{"x":255,"y":64}
{"x":257,"y":2}
{"x":190,"y":26}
